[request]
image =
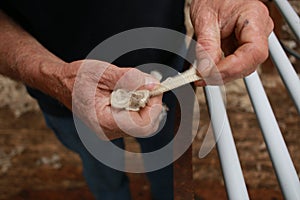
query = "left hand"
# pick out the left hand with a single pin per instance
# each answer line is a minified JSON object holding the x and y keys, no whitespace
{"x":91,"y":83}
{"x":237,"y":28}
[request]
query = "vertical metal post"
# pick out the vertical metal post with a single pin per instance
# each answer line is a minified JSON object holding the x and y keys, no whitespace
{"x":282,"y":162}
{"x":232,"y":172}
{"x":290,"y":15}
{"x":285,"y":69}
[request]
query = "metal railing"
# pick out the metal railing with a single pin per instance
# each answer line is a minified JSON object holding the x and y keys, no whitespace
{"x":278,"y":152}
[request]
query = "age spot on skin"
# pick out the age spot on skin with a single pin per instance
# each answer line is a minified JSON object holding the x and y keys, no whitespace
{"x":246,"y":22}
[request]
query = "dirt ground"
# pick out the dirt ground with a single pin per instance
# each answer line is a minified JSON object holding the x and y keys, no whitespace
{"x":34,"y":165}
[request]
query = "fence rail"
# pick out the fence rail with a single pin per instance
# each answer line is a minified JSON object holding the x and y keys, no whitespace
{"x":278,"y":151}
{"x":290,"y":16}
{"x":232,"y":172}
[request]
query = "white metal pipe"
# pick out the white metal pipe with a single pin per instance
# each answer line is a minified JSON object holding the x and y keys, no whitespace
{"x":231,"y":168}
{"x":285,"y":69}
{"x":282,"y":162}
{"x":290,"y":15}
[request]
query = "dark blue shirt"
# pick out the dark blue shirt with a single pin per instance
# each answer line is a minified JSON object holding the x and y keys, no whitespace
{"x":71,"y":29}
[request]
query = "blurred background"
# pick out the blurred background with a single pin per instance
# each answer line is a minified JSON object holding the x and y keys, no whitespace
{"x":34,"y":165}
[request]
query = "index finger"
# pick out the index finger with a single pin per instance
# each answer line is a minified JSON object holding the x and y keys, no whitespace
{"x":252,"y":30}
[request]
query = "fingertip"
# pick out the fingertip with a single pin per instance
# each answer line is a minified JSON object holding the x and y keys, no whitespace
{"x":150,"y":86}
{"x":200,"y":83}
{"x":150,"y":83}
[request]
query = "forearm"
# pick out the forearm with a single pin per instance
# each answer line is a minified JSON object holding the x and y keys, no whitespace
{"x":24,"y":59}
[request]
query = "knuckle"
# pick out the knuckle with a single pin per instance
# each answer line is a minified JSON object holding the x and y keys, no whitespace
{"x":259,"y":7}
{"x":206,"y":44}
{"x":260,"y":53}
{"x":134,"y":71}
{"x":263,"y":8}
{"x":264,"y":55}
{"x":257,"y":51}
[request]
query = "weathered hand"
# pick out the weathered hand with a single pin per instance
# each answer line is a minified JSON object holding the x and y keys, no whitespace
{"x":237,"y":28}
{"x":92,"y":87}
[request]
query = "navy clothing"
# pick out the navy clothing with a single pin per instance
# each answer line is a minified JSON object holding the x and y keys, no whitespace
{"x":71,"y":29}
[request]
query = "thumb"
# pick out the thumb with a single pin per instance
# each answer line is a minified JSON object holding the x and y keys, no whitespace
{"x":133,"y":79}
{"x":208,"y":47}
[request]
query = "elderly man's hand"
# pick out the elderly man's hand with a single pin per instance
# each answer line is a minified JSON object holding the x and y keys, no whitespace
{"x":237,"y":28}
{"x":91,"y":84}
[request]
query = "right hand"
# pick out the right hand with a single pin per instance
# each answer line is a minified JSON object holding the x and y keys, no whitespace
{"x":91,"y":82}
{"x":237,"y":28}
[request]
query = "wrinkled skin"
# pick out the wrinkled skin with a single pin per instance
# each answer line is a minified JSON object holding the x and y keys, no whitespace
{"x":237,"y":28}
{"x":92,"y":86}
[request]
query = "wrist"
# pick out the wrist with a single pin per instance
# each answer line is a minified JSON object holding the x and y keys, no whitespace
{"x":24,"y":59}
{"x":57,"y":80}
